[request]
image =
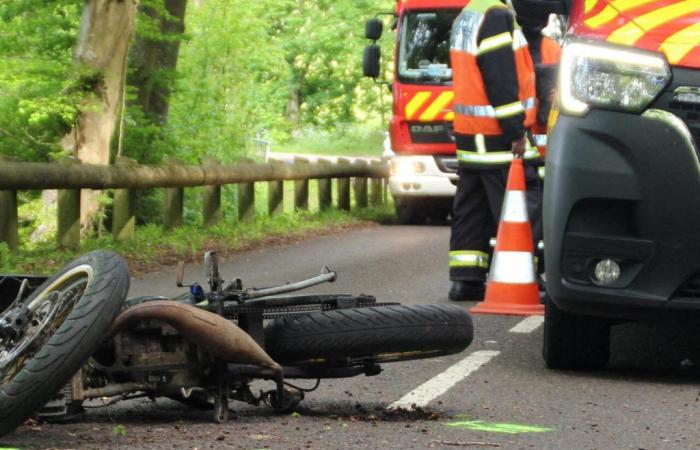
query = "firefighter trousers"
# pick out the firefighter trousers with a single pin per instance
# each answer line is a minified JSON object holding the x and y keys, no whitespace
{"x":475,"y":216}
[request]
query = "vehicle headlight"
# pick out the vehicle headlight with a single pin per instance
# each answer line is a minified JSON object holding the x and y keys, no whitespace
{"x":600,"y":75}
{"x":406,"y":167}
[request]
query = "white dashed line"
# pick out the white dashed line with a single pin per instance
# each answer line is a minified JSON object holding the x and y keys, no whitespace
{"x":441,"y":383}
{"x":528,"y":325}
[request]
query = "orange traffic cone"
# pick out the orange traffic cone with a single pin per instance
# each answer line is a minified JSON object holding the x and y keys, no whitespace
{"x":512,"y":284}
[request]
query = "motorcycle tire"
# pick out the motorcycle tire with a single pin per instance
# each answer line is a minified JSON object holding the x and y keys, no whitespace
{"x":94,"y":289}
{"x":378,"y":334}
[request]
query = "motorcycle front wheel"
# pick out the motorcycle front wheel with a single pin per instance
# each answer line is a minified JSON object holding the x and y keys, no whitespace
{"x":377,"y":334}
{"x":68,"y":317}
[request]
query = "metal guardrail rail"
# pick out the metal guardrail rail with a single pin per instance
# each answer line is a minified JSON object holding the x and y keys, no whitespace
{"x":368,"y":181}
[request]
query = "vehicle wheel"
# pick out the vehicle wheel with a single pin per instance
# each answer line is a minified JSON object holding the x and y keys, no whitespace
{"x":574,"y":342}
{"x":410,"y":211}
{"x":379,"y":334}
{"x":68,"y":317}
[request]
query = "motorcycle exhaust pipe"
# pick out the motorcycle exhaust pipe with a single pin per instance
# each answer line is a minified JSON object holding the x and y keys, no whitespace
{"x":213,"y":333}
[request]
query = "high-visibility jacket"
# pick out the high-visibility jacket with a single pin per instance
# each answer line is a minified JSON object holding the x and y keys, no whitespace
{"x":494,"y":84}
{"x":549,"y":55}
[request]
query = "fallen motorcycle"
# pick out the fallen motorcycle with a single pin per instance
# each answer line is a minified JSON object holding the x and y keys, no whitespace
{"x":73,"y":337}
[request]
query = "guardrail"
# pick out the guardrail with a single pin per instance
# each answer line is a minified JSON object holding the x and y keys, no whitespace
{"x":125,"y":177}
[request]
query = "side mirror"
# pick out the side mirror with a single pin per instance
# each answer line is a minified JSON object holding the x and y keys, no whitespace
{"x":370,"y":61}
{"x":374,"y":29}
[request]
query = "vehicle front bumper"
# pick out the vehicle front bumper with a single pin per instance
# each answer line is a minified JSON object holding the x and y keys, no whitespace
{"x":624,"y":187}
{"x":431,"y":182}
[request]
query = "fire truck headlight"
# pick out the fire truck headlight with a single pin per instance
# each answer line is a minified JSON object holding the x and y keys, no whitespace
{"x":406,"y":167}
{"x":595,"y":74}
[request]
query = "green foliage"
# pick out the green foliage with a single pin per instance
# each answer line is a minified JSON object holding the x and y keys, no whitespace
{"x":224,"y":89}
{"x":245,"y":66}
{"x":349,"y":140}
{"x":37,"y":105}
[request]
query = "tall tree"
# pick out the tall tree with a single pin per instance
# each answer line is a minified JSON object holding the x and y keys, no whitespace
{"x":99,"y":58}
{"x":154,"y":55}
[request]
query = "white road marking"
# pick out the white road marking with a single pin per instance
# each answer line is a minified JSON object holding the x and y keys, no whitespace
{"x":528,"y":325}
{"x":442,"y":382}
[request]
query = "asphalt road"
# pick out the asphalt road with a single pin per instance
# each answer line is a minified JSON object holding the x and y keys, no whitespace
{"x":648,"y":398}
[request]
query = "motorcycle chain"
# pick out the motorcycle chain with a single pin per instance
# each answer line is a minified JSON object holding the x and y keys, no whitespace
{"x":233,"y":312}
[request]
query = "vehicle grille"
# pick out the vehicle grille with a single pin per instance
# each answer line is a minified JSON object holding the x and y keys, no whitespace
{"x":686,"y":111}
{"x":690,"y":113}
{"x":690,"y":289}
{"x":447,"y":164}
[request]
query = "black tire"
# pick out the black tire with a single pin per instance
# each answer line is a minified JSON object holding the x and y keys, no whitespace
{"x":410,"y":211}
{"x":380,"y":334}
{"x":574,"y":342}
{"x":80,"y":330}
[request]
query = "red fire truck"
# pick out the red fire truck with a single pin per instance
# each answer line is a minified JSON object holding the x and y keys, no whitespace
{"x":420,"y":146}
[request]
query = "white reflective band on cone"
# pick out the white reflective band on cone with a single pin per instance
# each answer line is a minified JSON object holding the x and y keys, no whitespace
{"x":514,"y":207}
{"x":512,"y":267}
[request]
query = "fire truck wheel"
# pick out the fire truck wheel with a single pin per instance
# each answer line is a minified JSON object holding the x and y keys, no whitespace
{"x":67,"y":319}
{"x":378,"y":334}
{"x":410,"y":211}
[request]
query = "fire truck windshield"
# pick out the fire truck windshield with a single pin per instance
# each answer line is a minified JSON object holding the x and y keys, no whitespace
{"x":424,"y":46}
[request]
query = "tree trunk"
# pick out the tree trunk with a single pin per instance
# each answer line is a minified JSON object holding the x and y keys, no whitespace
{"x":155,"y":60}
{"x":106,"y":29}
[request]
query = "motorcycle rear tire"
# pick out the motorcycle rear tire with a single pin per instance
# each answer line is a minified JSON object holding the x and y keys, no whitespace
{"x":75,"y":338}
{"x":378,"y":334}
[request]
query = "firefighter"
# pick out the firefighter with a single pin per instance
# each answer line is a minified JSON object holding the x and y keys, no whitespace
{"x":533,"y":16}
{"x":494,"y":106}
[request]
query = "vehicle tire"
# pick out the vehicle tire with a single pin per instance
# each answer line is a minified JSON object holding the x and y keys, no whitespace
{"x":380,"y":334}
{"x":92,"y":291}
{"x":410,"y":211}
{"x":574,"y":342}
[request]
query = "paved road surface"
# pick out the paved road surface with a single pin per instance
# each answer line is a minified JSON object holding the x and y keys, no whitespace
{"x":497,"y":394}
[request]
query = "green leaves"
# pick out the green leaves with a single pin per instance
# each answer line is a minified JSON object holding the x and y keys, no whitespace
{"x":245,"y":66}
{"x":36,"y":41}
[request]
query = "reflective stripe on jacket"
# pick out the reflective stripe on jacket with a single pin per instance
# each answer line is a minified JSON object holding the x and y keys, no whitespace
{"x":476,"y":41}
{"x":550,"y":52}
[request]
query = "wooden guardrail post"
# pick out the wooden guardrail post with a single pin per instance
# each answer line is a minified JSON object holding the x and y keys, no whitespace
{"x":325,"y":190}
{"x":360,"y":185}
{"x":301,"y":189}
{"x":375,"y":188}
{"x":173,"y":204}
{"x":275,"y":194}
{"x":173,"y":207}
{"x":68,"y":230}
{"x":123,"y":210}
{"x":246,"y":198}
{"x":275,"y":197}
{"x":344,"y":189}
{"x":9,"y":228}
{"x":123,"y":216}
{"x":211,"y":199}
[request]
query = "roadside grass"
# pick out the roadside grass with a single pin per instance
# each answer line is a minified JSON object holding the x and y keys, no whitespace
{"x":359,"y":140}
{"x":153,"y":248}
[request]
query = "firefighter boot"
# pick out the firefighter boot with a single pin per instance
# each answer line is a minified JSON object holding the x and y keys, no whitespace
{"x":462,"y":291}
